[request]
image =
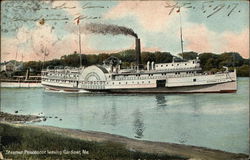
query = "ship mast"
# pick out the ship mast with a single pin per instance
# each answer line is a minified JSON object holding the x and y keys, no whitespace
{"x":79,"y":32}
{"x":178,"y":11}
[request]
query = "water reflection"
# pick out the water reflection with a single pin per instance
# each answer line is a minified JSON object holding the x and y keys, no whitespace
{"x":138,"y":124}
{"x":110,"y":117}
{"x":161,"y":101}
{"x":195,"y":105}
{"x":113,"y":115}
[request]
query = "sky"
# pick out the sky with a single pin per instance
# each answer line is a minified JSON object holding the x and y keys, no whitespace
{"x":38,"y":30}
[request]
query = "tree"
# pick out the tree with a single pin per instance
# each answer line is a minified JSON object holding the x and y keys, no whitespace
{"x":243,"y":71}
{"x":188,"y":55}
{"x":230,"y":59}
{"x":163,"y":57}
{"x":148,"y":56}
{"x":208,"y":61}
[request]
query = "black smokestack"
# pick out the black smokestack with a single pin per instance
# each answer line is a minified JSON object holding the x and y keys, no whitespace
{"x":138,"y":53}
{"x":99,"y":28}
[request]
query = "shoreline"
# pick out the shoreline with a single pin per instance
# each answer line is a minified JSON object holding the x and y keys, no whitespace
{"x":172,"y":149}
{"x":20,"y":118}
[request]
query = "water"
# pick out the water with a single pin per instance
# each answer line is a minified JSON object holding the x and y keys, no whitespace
{"x":218,"y":121}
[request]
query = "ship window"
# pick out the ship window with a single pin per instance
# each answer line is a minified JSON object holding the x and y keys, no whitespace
{"x":161,"y":65}
{"x":177,"y":64}
{"x":194,"y":80}
{"x":193,"y":62}
{"x":172,"y":64}
{"x":113,"y":82}
{"x":148,"y":81}
{"x":156,"y":65}
{"x":119,"y":82}
{"x":126,"y":82}
{"x":166,"y":65}
{"x":142,"y":81}
{"x":185,"y":63}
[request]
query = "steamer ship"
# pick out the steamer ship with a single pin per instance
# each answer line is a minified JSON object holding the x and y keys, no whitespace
{"x":174,"y":77}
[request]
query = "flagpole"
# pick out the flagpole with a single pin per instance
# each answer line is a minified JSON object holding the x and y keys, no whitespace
{"x":79,"y":32}
{"x":16,"y":56}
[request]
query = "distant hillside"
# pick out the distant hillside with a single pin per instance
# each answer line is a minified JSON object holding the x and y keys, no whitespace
{"x":209,"y":61}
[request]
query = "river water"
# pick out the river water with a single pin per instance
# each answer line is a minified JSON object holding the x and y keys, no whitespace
{"x":218,"y":121}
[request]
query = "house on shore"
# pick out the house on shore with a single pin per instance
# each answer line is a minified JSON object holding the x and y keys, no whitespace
{"x":11,"y":66}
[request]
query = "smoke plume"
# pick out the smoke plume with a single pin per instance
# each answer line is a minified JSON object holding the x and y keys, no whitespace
{"x":98,"y":28}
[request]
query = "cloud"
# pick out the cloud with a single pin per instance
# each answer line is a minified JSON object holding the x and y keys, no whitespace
{"x":152,"y":15}
{"x":197,"y":37}
{"x":238,"y":42}
{"x":33,"y":43}
{"x":42,"y":38}
{"x":8,"y":48}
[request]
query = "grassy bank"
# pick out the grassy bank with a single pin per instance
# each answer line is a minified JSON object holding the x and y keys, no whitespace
{"x":15,"y":138}
{"x":90,"y":145}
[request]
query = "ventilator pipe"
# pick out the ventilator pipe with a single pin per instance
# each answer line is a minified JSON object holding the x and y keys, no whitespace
{"x":152,"y":65}
{"x":148,"y":65}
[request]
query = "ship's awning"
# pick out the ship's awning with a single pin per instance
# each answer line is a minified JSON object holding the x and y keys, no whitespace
{"x":103,"y":69}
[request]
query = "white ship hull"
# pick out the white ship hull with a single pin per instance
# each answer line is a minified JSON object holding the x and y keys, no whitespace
{"x":227,"y":87}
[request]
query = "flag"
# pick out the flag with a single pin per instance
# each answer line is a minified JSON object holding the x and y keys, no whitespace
{"x":78,"y":21}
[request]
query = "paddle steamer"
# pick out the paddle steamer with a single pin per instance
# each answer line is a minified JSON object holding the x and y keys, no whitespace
{"x":174,"y":77}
